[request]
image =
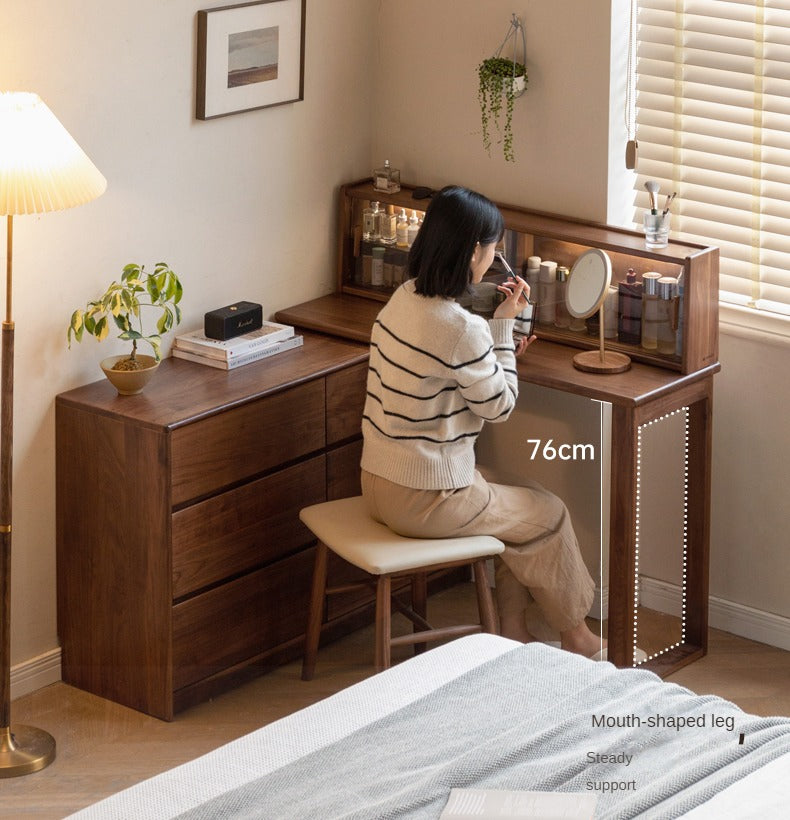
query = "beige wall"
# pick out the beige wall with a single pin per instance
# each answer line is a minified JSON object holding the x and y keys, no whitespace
{"x":243,"y":208}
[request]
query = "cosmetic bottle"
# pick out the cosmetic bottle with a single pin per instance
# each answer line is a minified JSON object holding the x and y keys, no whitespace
{"x":610,"y":309}
{"x":629,"y":320}
{"x":402,"y":230}
{"x":366,"y":258}
{"x":561,"y":316}
{"x":547,"y":282}
{"x":370,"y":221}
{"x":650,"y":310}
{"x":532,"y":275}
{"x":387,"y":178}
{"x":377,"y":267}
{"x":413,"y":229}
{"x":665,"y":329}
{"x":679,"y":317}
{"x":387,"y":225}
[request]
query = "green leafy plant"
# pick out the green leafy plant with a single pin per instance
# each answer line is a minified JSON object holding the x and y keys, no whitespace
{"x":123,"y":304}
{"x":496,"y":90}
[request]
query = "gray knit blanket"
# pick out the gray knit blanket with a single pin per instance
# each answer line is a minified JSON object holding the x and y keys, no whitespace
{"x":528,"y":720}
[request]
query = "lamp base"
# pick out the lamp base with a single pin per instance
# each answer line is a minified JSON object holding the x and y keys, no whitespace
{"x":24,"y":750}
{"x":596,"y":361}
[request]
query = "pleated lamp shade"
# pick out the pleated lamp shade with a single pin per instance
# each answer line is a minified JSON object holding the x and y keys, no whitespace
{"x":41,"y":166}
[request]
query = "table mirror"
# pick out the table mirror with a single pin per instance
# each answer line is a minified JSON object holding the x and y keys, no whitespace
{"x":588,"y":285}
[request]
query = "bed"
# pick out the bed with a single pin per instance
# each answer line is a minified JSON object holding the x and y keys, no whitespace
{"x":486,"y":713}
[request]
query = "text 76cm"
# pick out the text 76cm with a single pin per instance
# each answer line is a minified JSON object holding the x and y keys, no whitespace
{"x":564,"y":452}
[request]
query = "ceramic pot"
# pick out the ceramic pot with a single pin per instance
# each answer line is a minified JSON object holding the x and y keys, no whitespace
{"x":129,"y":382}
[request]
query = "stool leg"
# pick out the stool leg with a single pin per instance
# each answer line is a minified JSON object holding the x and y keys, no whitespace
{"x":316,"y":615}
{"x":485,"y":602}
{"x":383,"y":622}
{"x":419,"y":603}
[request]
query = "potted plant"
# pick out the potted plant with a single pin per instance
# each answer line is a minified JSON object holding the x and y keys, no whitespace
{"x":123,"y":303}
{"x":501,"y":80}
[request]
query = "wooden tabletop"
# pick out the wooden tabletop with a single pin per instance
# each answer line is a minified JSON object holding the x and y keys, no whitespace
{"x":548,"y":364}
{"x":182,"y":391}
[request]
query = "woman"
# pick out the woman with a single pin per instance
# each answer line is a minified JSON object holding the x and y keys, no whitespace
{"x":437,"y":372}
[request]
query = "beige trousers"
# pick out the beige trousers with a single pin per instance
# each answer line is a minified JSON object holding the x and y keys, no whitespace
{"x":541,"y":561}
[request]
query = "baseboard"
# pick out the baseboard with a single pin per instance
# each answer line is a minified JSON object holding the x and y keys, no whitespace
{"x":738,"y":619}
{"x":36,"y":673}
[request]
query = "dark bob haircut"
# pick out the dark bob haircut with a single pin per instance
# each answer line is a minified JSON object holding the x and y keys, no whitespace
{"x":455,"y":221}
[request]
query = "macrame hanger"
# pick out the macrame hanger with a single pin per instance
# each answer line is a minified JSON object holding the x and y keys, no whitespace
{"x":515,"y":29}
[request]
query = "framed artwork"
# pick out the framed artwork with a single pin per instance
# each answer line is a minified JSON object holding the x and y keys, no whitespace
{"x":250,"y":55}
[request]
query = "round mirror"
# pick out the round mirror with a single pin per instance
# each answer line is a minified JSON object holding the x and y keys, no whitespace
{"x":588,"y":286}
{"x":588,"y":283}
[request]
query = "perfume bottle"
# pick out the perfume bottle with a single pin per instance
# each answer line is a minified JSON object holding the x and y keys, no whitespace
{"x":370,"y":223}
{"x":402,"y":230}
{"x":629,"y":319}
{"x":665,"y":330}
{"x":387,"y":178}
{"x":650,"y":310}
{"x":561,"y":316}
{"x":387,"y":224}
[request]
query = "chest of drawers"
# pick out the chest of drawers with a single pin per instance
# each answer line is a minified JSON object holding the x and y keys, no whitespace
{"x":182,"y":565}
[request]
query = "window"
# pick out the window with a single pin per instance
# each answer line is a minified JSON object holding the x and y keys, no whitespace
{"x":713,"y":124}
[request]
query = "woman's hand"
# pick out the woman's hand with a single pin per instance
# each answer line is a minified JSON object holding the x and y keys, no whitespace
{"x":523,"y":343}
{"x":516,"y":296}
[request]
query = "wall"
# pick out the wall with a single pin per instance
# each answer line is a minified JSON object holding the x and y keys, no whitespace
{"x":242,"y":207}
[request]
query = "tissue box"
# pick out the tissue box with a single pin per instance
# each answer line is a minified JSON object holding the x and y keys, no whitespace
{"x":233,"y":320}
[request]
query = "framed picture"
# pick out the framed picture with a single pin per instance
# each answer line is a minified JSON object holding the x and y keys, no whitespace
{"x":250,"y":55}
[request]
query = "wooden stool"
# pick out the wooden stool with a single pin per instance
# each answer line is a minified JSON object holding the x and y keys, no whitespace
{"x":345,"y":527}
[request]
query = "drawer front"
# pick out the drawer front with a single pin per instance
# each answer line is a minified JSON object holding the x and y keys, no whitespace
{"x":241,"y":619}
{"x":345,"y":399}
{"x":245,"y":527}
{"x":234,"y":445}
{"x":342,"y":471}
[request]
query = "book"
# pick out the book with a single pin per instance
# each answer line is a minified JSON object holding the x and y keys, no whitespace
{"x":196,"y":341}
{"x":237,"y":360}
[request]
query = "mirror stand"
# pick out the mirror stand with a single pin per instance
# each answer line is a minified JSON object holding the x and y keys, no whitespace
{"x":601,"y":360}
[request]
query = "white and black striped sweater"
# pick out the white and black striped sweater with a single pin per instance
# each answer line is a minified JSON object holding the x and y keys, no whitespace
{"x":436,"y":373}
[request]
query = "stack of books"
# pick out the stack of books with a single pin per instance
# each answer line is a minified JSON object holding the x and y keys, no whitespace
{"x":251,"y":347}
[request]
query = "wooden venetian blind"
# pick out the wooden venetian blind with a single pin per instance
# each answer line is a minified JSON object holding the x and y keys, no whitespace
{"x":713,"y":124}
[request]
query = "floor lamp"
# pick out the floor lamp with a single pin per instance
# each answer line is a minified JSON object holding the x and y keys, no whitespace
{"x":41,"y":169}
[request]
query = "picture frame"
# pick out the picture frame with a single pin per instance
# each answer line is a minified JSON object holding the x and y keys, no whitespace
{"x":249,"y":56}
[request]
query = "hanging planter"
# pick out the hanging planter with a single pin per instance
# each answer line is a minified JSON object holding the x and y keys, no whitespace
{"x":501,"y":80}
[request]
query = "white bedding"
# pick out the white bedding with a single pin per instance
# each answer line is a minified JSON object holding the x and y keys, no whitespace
{"x":764,"y":793}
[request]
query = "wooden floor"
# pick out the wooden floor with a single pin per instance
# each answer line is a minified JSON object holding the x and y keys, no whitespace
{"x":103,"y":747}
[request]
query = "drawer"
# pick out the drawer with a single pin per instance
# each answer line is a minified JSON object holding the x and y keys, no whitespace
{"x":342,"y":471}
{"x":251,"y":525}
{"x":345,"y":399}
{"x":241,"y":619}
{"x":218,"y":451}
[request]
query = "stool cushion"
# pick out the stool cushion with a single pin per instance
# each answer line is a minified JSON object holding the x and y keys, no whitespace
{"x":346,"y":527}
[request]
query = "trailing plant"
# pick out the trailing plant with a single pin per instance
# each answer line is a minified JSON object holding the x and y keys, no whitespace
{"x":496,"y":89}
{"x":123,"y":304}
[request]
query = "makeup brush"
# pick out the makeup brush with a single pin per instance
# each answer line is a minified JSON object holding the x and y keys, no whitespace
{"x":652,"y":189}
{"x":670,"y":197}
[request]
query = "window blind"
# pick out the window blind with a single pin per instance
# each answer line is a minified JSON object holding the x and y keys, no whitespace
{"x":713,"y":124}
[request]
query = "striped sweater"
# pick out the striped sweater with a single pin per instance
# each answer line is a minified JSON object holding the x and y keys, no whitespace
{"x":437,"y":372}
